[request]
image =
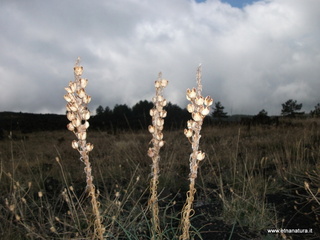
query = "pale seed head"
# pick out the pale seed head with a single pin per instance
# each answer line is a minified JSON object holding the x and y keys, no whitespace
{"x":70,"y":127}
{"x":190,"y":108}
{"x":192,"y":93}
{"x":83,"y":82}
{"x":197,"y":117}
{"x":81,"y":93}
{"x":161,"y":143}
{"x":205,"y":111}
{"x":208,"y":101}
{"x":164,"y":103}
{"x":75,"y":144}
{"x":157,"y":84}
{"x":164,"y":82}
{"x":199,"y":100}
{"x":67,"y":97}
{"x":89,"y":147}
{"x":151,"y":129}
{"x":78,"y":70}
{"x":163,"y":113}
{"x":188,"y":133}
{"x":200,"y":155}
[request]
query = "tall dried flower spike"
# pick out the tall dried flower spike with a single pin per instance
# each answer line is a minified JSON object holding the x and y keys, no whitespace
{"x":157,"y":113}
{"x":198,"y":109}
{"x":78,"y":114}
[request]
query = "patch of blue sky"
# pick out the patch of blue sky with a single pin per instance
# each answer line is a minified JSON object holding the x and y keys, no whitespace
{"x":234,"y":3}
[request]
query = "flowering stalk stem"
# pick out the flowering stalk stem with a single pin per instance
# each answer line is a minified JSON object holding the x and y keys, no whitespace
{"x":199,"y":108}
{"x":78,"y":114}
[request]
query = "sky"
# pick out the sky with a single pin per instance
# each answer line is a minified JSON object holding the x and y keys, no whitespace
{"x":254,"y":54}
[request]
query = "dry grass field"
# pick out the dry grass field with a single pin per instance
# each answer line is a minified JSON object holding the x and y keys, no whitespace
{"x":252,"y":179}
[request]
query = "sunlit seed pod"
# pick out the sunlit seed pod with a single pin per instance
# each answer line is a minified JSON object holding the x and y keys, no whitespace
{"x":163,"y":113}
{"x":70,"y":116}
{"x":70,"y":127}
{"x":151,"y":129}
{"x":81,"y":93}
{"x":197,"y":117}
{"x":199,"y":100}
{"x":159,"y":136}
{"x":151,"y":152}
{"x":86,"y":125}
{"x":76,"y":122}
{"x":152,"y":112}
{"x":67,"y":97}
{"x":86,"y":99}
{"x":73,"y":86}
{"x":161,"y":143}
{"x":164,"y":103}
{"x":75,"y":144}
{"x":205,"y":111}
{"x":160,"y":98}
{"x":89,"y":147}
{"x":192,"y":93}
{"x":154,"y":99}
{"x":164,"y":82}
{"x":71,"y":106}
{"x":78,"y":70}
{"x":188,"y":133}
{"x":190,"y":108}
{"x":40,"y":194}
{"x":159,"y":108}
{"x":208,"y":101}
{"x":157,"y":84}
{"x":82,"y":136}
{"x":159,"y":122}
{"x":189,"y":124}
{"x":68,"y":89}
{"x":189,"y":99}
{"x":83,"y":82}
{"x":200,"y":155}
{"x":85,"y":115}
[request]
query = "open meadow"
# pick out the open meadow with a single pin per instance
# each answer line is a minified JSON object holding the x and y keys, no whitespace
{"x":253,"y":179}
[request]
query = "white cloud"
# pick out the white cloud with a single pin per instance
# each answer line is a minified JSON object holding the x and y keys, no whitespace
{"x":253,"y":58}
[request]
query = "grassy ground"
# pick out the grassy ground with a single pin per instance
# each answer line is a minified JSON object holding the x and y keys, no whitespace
{"x":252,"y":179}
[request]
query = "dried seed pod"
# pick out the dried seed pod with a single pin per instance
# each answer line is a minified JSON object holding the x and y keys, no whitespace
{"x":199,"y":100}
{"x":151,"y":152}
{"x":89,"y":147}
{"x":164,"y":82}
{"x":68,"y":89}
{"x":161,"y":143}
{"x":67,"y":97}
{"x":85,"y":115}
{"x":86,"y":125}
{"x":70,"y":127}
{"x":164,"y":103}
{"x":81,"y":93}
{"x":188,"y":133}
{"x":200,"y":155}
{"x":78,"y":70}
{"x":70,"y":116}
{"x":190,"y":108}
{"x":159,"y":136}
{"x":82,"y":136}
{"x":75,"y":144}
{"x":83,"y":82}
{"x":192,"y":93}
{"x":160,"y":98}
{"x":157,"y":84}
{"x":152,"y":112}
{"x":205,"y":111}
{"x":208,"y":101}
{"x":76,"y":122}
{"x":163,"y":113}
{"x":197,"y":117}
{"x":151,"y":129}
{"x":86,"y":99}
{"x":73,"y":86}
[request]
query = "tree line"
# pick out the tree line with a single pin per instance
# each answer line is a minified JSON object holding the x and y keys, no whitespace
{"x":138,"y":117}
